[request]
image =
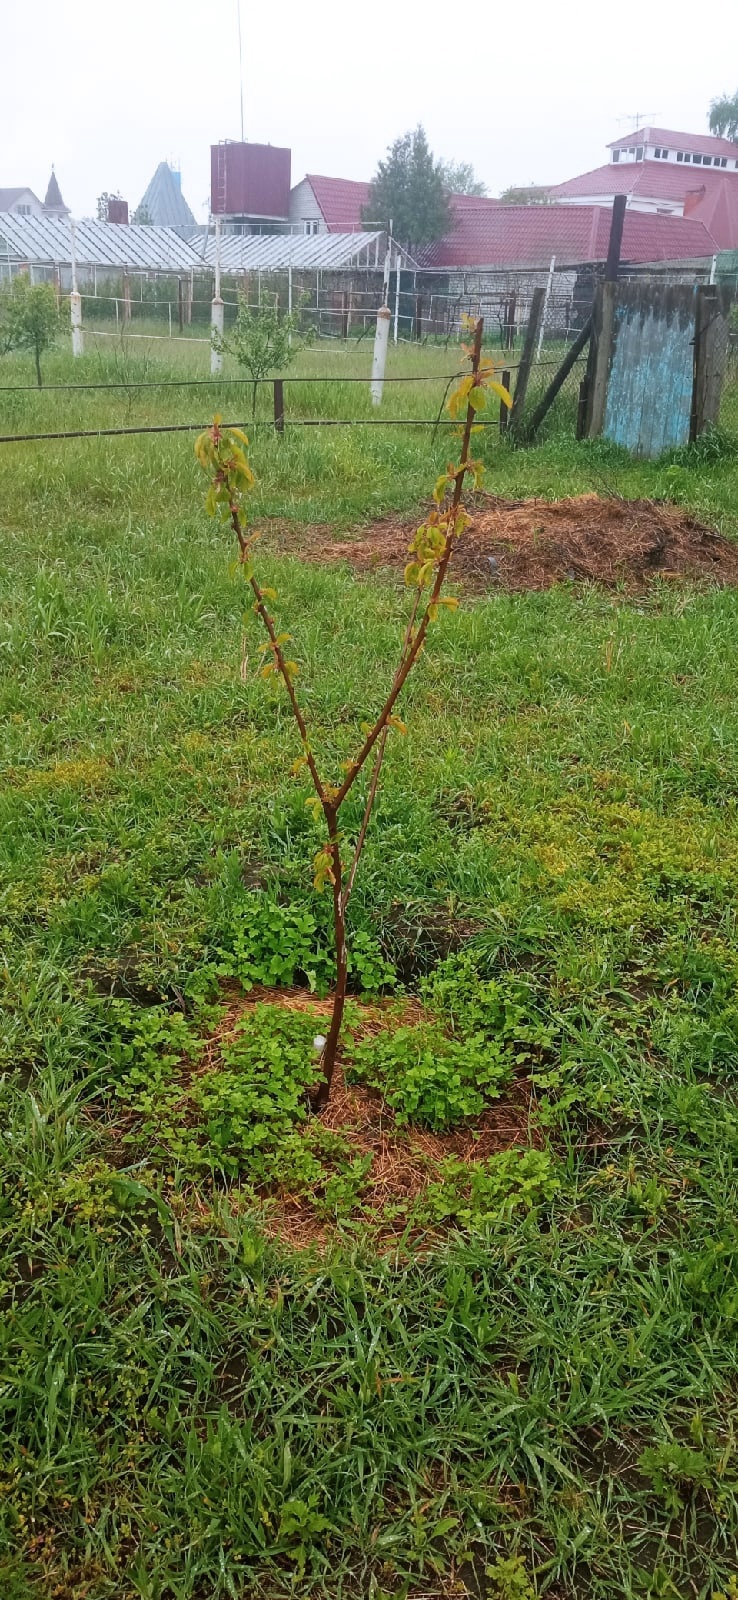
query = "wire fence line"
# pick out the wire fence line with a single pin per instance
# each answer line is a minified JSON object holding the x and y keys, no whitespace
{"x":200,"y":427}
{"x":209,"y":383}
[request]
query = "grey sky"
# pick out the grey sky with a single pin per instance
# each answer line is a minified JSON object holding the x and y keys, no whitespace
{"x":529,"y":92}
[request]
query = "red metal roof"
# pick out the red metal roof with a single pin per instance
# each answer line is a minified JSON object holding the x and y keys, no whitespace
{"x":653,"y":180}
{"x":717,"y":208}
{"x":340,"y":200}
{"x":527,"y":236}
{"x":706,"y":144}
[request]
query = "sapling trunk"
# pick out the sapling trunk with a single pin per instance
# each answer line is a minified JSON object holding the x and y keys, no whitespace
{"x":321,"y":1096}
{"x":219,"y":452}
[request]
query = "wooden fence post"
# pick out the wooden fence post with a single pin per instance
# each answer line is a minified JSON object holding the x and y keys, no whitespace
{"x":504,"y":410}
{"x":279,"y":405}
{"x":526,"y":360}
{"x":612,"y":264}
{"x":418,"y":316}
{"x":710,"y":347}
{"x":558,"y":381}
{"x":603,"y":326}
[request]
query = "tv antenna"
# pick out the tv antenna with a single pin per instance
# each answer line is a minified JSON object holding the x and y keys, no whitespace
{"x":240,"y":60}
{"x":637,"y":119}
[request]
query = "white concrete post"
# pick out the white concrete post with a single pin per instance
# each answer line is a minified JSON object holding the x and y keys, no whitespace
{"x":713,"y":269}
{"x":397,"y":299}
{"x":75,"y":303}
{"x":75,"y":313}
{"x":217,"y":312}
{"x":379,"y":362}
{"x":546,"y":299}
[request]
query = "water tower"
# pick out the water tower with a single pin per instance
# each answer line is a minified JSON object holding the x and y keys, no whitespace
{"x":250,"y":184}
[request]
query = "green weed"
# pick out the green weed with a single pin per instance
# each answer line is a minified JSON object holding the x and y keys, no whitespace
{"x":186,"y":1403}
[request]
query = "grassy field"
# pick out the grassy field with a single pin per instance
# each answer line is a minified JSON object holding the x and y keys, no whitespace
{"x":534,"y":1385}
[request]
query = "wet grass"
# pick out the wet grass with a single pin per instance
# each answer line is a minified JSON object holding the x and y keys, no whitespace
{"x":189,"y":1408}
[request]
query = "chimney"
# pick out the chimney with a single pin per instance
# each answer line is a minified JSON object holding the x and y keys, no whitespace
{"x":117,"y":211}
{"x":692,"y":199}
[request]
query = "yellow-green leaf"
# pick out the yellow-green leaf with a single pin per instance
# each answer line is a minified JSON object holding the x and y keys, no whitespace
{"x":504,"y":394}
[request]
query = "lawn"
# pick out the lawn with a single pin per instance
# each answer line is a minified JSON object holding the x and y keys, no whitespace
{"x":519,"y":1379}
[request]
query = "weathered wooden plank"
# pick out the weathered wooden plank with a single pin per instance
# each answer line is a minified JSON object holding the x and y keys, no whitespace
{"x":526,"y":360}
{"x":558,"y":380}
{"x":603,"y":328}
{"x":710,"y":351}
{"x":643,"y":397}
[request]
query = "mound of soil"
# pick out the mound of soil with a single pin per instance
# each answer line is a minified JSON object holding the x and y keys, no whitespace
{"x":533,"y":544}
{"x":404,"y":1159}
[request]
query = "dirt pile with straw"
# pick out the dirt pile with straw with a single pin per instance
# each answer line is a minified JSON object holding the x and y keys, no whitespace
{"x":534,"y":544}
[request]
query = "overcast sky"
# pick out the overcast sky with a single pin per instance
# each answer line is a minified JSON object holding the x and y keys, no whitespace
{"x":528,"y":93}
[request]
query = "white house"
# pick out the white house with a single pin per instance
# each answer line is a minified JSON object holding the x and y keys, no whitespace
{"x":21,"y":203}
{"x":687,"y":149}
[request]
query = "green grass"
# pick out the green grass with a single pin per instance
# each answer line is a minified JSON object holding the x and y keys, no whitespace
{"x":190,"y":1409}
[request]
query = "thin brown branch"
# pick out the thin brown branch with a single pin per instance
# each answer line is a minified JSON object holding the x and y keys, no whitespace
{"x":282,"y":667}
{"x":369,"y":807}
{"x":417,"y":643}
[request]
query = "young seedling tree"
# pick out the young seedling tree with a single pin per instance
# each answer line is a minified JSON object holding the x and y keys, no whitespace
{"x":262,"y":339}
{"x":221,"y":452}
{"x":29,"y":319}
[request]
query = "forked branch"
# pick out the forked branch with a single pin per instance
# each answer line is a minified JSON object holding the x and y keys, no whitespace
{"x":221,"y":453}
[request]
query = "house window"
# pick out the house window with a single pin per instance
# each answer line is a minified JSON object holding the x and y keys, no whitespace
{"x":23,"y":211}
{"x":312,"y":225}
{"x":616,"y":155}
{"x":639,"y":153}
{"x":680,"y":155}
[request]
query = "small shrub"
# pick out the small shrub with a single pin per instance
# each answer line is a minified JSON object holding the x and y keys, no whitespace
{"x":488,"y":1191}
{"x":428,"y":1078}
{"x":273,"y":944}
{"x":497,"y":1008}
{"x":263,"y":340}
{"x":241,"y":1116}
{"x":251,"y":1106}
{"x":29,"y":319}
{"x":673,"y":1469}
{"x":509,"y":1580}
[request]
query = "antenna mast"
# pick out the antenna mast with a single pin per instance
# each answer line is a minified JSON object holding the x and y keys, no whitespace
{"x":240,"y":60}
